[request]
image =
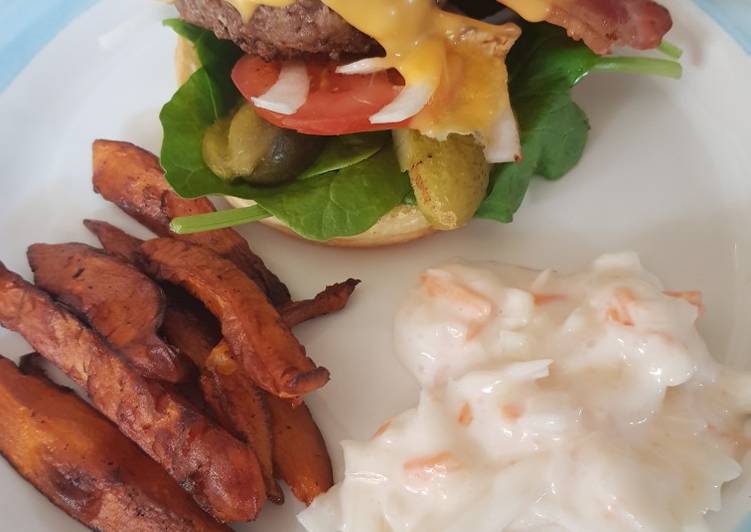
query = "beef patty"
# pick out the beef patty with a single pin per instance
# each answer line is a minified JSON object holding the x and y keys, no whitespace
{"x":302,"y":28}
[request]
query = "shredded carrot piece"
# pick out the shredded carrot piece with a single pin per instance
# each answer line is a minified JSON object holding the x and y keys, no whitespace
{"x":441,"y":287}
{"x":619,"y":310}
{"x":737,"y":438}
{"x":383,"y":428}
{"x":667,"y":337}
{"x":465,"y":415}
{"x":431,"y":467}
{"x":544,"y":299}
{"x":512,"y":411}
{"x":480,"y":306}
{"x":473,"y":330}
{"x":692,"y":296}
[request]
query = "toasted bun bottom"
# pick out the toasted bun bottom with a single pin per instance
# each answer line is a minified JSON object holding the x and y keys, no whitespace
{"x":186,"y":60}
{"x":403,"y":224}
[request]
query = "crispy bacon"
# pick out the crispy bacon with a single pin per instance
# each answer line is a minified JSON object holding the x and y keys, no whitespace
{"x":606,"y":24}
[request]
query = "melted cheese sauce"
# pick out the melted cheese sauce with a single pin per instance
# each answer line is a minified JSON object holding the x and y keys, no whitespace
{"x":585,"y":402}
{"x":460,"y":60}
{"x":246,"y":8}
{"x":532,"y":10}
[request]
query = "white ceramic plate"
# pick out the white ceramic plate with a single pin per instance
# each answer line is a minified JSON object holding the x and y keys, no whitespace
{"x":666,"y":173}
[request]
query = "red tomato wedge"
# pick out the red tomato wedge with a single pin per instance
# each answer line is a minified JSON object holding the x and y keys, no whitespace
{"x":337,"y":104}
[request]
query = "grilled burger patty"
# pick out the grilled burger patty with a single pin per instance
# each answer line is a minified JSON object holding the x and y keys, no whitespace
{"x":303,"y":28}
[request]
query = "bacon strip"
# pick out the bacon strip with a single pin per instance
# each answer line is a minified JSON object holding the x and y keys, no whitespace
{"x":606,"y":24}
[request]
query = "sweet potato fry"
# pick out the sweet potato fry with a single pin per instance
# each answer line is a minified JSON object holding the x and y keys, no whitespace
{"x":189,"y":327}
{"x":115,"y":241}
{"x":116,"y":299}
{"x":332,"y":299}
{"x":240,"y":408}
{"x":234,"y":400}
{"x":32,"y":364}
{"x":187,"y":316}
{"x":239,"y":405}
{"x":219,"y":471}
{"x":84,"y":465}
{"x":131,"y":178}
{"x":300,"y":456}
{"x":255,"y":331}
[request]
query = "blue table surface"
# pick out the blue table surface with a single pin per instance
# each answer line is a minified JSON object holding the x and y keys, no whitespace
{"x":29,"y":25}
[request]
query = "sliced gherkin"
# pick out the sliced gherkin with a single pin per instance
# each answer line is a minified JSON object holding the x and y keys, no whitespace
{"x":288,"y":156}
{"x":244,"y":146}
{"x":449,"y":178}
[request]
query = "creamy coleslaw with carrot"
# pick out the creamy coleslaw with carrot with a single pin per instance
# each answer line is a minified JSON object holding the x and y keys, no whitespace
{"x":549,"y":402}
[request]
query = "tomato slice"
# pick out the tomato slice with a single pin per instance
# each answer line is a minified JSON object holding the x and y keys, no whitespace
{"x":337,"y":104}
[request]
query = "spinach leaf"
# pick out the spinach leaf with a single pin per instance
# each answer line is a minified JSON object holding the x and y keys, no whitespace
{"x":543,"y":66}
{"x":347,"y":150}
{"x":343,"y":203}
{"x":210,"y":221}
{"x":207,"y":96}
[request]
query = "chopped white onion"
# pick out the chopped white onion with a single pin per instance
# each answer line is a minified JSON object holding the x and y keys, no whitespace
{"x":409,"y":102}
{"x":370,"y":65}
{"x":290,"y":91}
{"x":502,"y":143}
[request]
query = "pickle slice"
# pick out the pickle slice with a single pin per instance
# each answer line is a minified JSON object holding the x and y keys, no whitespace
{"x":449,"y":178}
{"x":244,"y":146}
{"x":289,"y":154}
{"x":216,"y":149}
{"x":233,"y":146}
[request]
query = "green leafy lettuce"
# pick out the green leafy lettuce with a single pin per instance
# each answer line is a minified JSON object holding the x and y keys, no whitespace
{"x":544,"y":65}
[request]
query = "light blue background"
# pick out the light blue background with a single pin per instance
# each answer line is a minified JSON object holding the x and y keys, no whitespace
{"x":30,"y":24}
{"x":27,"y":26}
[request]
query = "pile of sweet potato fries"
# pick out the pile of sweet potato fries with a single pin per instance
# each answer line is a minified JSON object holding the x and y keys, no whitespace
{"x":183,"y":346}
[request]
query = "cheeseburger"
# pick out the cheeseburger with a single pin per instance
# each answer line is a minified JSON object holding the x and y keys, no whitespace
{"x":371,"y":122}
